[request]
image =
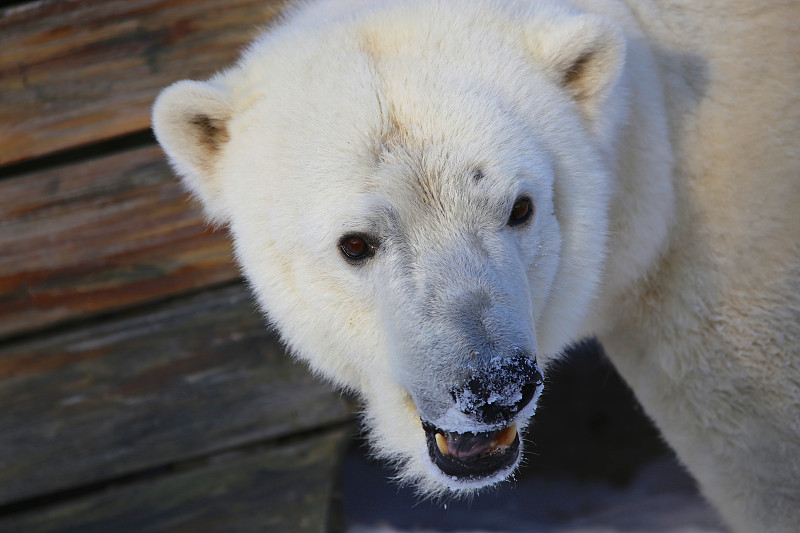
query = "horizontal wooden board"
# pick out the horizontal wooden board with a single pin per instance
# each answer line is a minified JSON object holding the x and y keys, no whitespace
{"x":74,"y":72}
{"x":285,"y":489}
{"x":101,"y":235}
{"x":178,"y":380}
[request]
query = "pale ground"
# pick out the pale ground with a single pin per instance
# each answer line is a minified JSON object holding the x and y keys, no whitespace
{"x":660,"y":499}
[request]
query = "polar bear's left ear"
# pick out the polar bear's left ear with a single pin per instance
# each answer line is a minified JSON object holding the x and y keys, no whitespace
{"x":190,"y":120}
{"x":583,"y":53}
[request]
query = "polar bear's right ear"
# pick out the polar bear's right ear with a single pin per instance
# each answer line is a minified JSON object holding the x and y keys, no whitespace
{"x":583,"y":53}
{"x":190,"y":120}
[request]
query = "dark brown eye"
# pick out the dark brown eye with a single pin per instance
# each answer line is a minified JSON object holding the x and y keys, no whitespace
{"x":521,"y":212}
{"x":355,"y":247}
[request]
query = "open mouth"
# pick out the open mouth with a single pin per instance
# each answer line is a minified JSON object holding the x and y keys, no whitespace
{"x":472,"y":456}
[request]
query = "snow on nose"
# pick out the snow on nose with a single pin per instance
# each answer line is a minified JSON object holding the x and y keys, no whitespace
{"x":496,"y":392}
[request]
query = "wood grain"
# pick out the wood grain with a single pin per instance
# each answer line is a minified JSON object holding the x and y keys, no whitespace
{"x":285,"y":489}
{"x":74,"y":72}
{"x":179,"y":380}
{"x":101,"y":235}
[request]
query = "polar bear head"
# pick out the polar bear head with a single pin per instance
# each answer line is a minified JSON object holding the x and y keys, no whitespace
{"x":418,"y":196}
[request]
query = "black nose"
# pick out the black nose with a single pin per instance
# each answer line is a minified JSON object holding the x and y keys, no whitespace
{"x":497,"y":392}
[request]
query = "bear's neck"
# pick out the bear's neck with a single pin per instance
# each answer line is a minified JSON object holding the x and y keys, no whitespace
{"x":642,"y":209}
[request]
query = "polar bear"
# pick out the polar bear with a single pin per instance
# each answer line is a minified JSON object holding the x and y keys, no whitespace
{"x":431,"y":199}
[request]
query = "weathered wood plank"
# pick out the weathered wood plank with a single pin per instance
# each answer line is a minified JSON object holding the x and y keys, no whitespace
{"x":287,"y":489}
{"x":76,"y":71}
{"x":181,"y":379}
{"x":101,"y":235}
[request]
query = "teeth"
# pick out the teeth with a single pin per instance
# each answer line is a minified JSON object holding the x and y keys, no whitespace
{"x":502,"y":439}
{"x":441,"y":442}
{"x":507,"y":436}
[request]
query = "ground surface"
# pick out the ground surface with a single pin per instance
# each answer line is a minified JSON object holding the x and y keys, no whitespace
{"x":595,"y":465}
{"x":661,"y":499}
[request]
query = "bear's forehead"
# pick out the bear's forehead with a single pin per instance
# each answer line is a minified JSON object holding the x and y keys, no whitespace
{"x":412,"y":135}
{"x":375,"y":77}
{"x":430,"y":181}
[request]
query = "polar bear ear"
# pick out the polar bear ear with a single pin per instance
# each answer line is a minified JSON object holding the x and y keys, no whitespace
{"x":584,"y":54}
{"x":190,"y":120}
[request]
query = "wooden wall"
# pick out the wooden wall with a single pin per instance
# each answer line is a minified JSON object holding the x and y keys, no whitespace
{"x":139,"y":388}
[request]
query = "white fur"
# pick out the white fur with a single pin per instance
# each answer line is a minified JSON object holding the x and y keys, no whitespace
{"x":658,"y":141}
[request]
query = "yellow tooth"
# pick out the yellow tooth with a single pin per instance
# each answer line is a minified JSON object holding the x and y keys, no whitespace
{"x":441,"y":442}
{"x":507,"y":436}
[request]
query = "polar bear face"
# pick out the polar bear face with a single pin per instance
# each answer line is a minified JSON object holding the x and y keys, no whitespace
{"x":420,"y":213}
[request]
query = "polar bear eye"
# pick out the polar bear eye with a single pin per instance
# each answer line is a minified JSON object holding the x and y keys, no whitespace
{"x":356,"y":247}
{"x":521,"y":212}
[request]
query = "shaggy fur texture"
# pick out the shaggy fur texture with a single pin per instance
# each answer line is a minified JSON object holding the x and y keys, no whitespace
{"x":658,"y":143}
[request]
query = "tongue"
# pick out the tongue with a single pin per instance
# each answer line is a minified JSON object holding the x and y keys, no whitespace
{"x":468,"y":444}
{"x":463,"y":445}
